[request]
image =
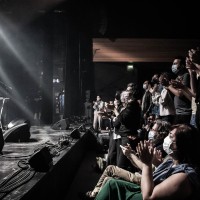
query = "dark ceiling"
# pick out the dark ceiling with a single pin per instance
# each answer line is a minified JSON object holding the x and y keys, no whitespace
{"x":113,"y":19}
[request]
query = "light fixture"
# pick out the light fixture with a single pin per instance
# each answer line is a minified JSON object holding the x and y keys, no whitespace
{"x":130,"y":67}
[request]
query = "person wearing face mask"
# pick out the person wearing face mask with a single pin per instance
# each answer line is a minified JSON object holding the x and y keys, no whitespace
{"x":146,"y":102}
{"x":158,"y":132}
{"x":175,"y":178}
{"x":166,"y":100}
{"x":127,"y":123}
{"x":181,"y":101}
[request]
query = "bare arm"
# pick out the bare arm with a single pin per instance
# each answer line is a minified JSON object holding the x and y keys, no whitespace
{"x":131,"y":155}
{"x":175,"y":91}
{"x":186,"y":92}
{"x":174,"y":187}
{"x":193,"y":83}
{"x":128,"y":152}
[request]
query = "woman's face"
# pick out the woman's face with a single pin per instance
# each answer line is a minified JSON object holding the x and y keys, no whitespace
{"x":155,"y":127}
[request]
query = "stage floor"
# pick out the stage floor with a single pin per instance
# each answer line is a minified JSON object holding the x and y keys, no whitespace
{"x":40,"y":136}
{"x":69,"y":157}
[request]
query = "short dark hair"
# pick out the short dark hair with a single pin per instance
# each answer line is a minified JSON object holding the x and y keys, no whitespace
{"x":181,"y":58}
{"x":130,"y":84}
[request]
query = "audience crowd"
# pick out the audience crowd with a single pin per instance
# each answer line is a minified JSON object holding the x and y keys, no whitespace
{"x":154,"y":139}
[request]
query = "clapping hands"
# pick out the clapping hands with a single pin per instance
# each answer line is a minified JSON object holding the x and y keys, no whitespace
{"x":145,"y":152}
{"x":177,"y":84}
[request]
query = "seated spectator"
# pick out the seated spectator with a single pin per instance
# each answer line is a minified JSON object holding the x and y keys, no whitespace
{"x":176,"y":178}
{"x":143,"y":132}
{"x":157,"y":134}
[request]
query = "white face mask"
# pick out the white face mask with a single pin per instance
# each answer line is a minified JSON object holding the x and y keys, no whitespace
{"x":175,"y":69}
{"x":151,"y":135}
{"x":166,"y":145}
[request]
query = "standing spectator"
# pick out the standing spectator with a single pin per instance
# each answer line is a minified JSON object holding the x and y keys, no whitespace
{"x":155,"y":92}
{"x":166,"y":101}
{"x":88,"y":110}
{"x":193,"y":66}
{"x":146,"y":102}
{"x":127,"y":122}
{"x":98,"y":111}
{"x":181,"y":102}
{"x":113,"y":150}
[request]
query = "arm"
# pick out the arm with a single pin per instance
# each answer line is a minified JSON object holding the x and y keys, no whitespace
{"x":192,"y":72}
{"x":164,"y":97}
{"x":183,"y":89}
{"x":187,"y":93}
{"x":175,"y":91}
{"x":177,"y":84}
{"x":135,"y":161}
{"x":130,"y":154}
{"x":176,"y":186}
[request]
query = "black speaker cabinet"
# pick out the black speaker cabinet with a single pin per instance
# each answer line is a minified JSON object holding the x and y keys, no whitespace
{"x":18,"y":133}
{"x":63,"y":124}
{"x":42,"y":160}
{"x":75,"y":134}
{"x":16,"y":122}
{"x":1,"y":141}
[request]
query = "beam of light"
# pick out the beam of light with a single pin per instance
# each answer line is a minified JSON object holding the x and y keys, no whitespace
{"x":23,"y":50}
{"x":12,"y":92}
{"x":27,"y":63}
{"x":19,"y":47}
{"x":22,"y":47}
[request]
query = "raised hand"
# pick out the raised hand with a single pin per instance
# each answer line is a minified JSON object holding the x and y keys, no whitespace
{"x":145,"y":152}
{"x":194,"y":55}
{"x":157,"y":157}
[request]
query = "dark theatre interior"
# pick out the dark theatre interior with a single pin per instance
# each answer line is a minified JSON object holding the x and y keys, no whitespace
{"x":53,"y":53}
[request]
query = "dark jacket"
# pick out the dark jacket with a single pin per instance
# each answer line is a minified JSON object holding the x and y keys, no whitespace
{"x":147,"y":104}
{"x":128,"y":120}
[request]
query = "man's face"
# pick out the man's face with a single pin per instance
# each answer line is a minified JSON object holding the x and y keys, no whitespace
{"x":126,"y":96}
{"x":177,"y":62}
{"x":98,"y":98}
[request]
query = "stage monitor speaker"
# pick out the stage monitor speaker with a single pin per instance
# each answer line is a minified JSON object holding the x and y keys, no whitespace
{"x":18,"y":133}
{"x":41,"y":160}
{"x":1,"y":141}
{"x":75,"y":134}
{"x":16,"y":122}
{"x":63,"y":124}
